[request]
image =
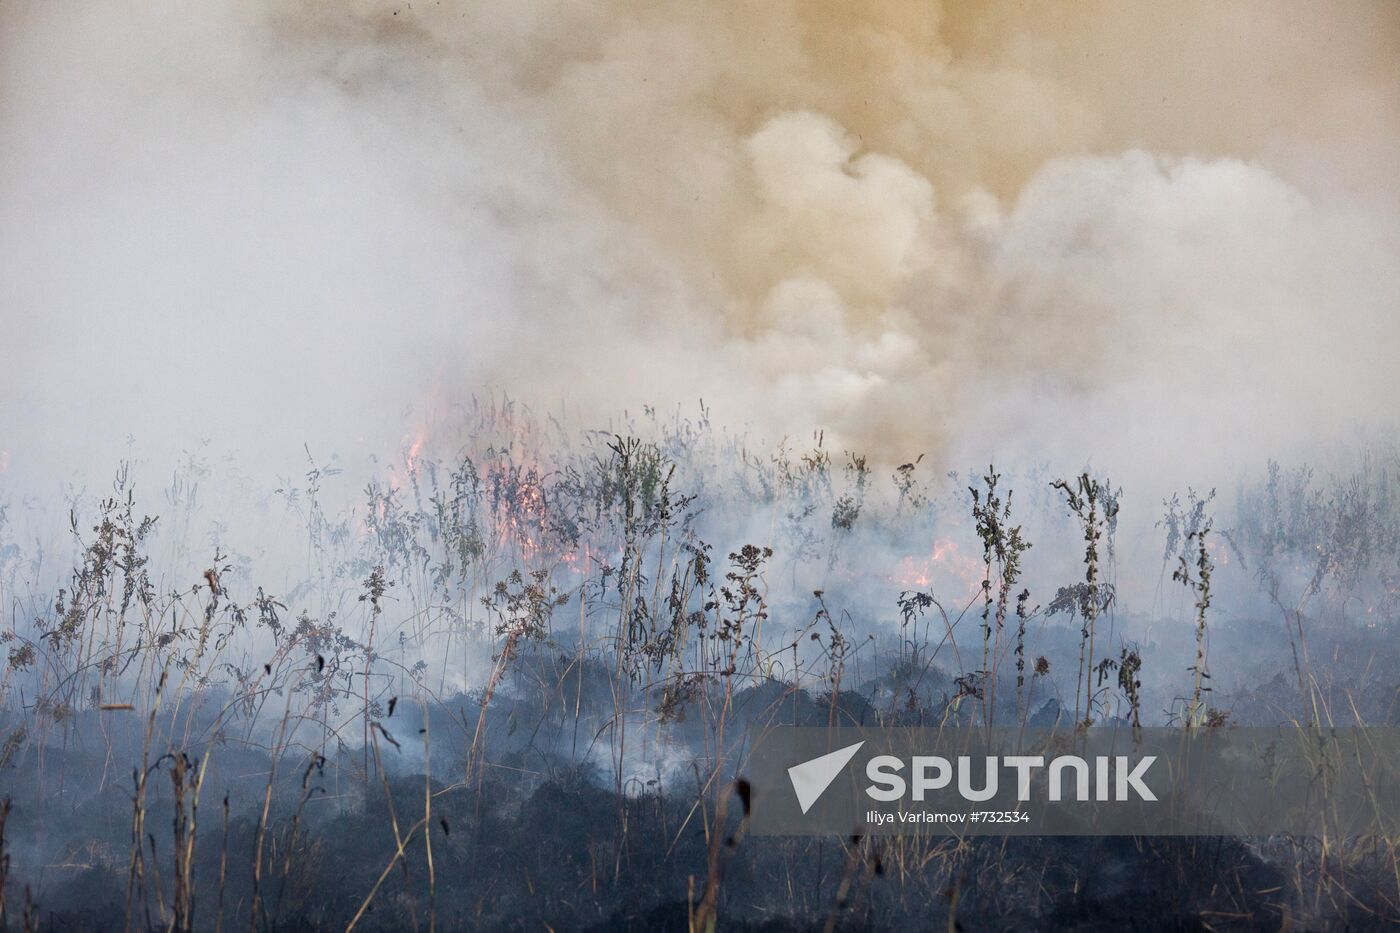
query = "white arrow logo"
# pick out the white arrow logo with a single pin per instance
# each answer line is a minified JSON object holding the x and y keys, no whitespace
{"x":811,"y":778}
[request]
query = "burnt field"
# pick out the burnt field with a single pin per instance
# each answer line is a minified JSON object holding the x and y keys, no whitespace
{"x":514,"y":686}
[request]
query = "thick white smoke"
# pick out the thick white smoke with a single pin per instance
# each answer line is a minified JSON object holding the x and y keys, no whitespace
{"x":1164,"y":237}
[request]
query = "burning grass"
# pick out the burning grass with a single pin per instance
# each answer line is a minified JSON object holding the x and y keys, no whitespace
{"x":515,"y":687}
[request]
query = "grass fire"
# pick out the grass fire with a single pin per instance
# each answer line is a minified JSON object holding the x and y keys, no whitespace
{"x":440,"y":442}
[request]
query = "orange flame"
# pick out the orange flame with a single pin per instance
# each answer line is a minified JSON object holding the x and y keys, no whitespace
{"x":943,"y":568}
{"x":414,"y":449}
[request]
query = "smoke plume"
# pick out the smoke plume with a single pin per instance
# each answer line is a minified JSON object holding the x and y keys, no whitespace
{"x":1166,"y":236}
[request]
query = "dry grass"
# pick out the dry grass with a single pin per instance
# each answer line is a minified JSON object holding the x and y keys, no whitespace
{"x":586,"y":676}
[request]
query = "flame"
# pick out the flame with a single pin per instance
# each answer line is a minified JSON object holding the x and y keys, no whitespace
{"x":415,"y":449}
{"x":577,"y":560}
{"x":518,"y":500}
{"x":944,"y":569}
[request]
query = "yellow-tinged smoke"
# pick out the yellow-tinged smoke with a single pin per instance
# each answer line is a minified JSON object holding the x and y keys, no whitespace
{"x":1059,"y":229}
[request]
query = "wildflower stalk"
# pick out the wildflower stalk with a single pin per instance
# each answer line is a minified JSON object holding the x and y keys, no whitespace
{"x":1199,"y":584}
{"x":1095,"y":504}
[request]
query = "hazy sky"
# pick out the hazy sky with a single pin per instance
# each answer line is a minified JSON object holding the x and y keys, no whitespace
{"x":1161,"y":235}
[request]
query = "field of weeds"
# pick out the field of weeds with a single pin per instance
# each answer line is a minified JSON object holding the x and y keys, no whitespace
{"x":510,"y":680}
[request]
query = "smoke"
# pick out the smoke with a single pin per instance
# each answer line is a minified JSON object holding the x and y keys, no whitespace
{"x":1165,"y":236}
